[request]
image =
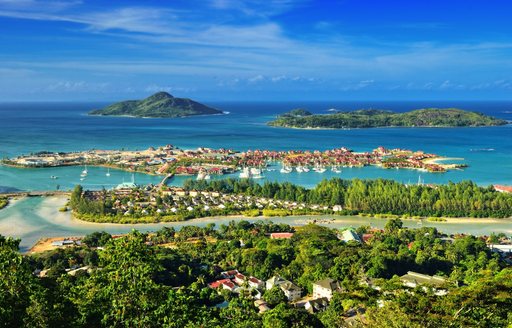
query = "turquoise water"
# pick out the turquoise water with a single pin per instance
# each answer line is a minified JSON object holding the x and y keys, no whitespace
{"x":34,"y":218}
{"x":32,"y":127}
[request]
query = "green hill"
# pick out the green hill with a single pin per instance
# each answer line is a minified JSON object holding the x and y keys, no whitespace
{"x":161,"y":105}
{"x":431,"y":117}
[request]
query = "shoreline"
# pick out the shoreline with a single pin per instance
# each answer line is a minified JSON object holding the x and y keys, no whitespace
{"x":158,"y":118}
{"x":387,"y":127}
{"x":41,"y":219}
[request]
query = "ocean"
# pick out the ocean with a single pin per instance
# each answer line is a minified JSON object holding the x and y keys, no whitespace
{"x":33,"y":127}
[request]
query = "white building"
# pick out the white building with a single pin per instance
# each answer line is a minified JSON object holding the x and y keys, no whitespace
{"x":325,"y":288}
{"x":290,"y":290}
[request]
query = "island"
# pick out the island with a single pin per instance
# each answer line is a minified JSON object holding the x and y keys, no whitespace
{"x":203,"y":162}
{"x":159,"y":105}
{"x":379,"y":198}
{"x":371,"y":118}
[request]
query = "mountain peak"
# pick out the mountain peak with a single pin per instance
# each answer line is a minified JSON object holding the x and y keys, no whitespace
{"x":161,"y":104}
{"x":160,"y":95}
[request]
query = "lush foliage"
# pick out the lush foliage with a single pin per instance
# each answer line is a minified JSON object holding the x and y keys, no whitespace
{"x":464,"y":199}
{"x":160,"y":104}
{"x":133,"y":282}
{"x":379,"y":118}
{"x":3,"y":202}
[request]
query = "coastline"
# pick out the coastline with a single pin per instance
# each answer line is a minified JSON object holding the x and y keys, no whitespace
{"x":35,"y":218}
{"x":461,"y":220}
{"x":152,"y":117}
{"x":387,"y":127}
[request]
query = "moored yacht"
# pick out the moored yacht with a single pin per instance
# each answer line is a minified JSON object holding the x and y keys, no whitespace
{"x":256,"y":173}
{"x":286,"y":169}
{"x":245,"y":174}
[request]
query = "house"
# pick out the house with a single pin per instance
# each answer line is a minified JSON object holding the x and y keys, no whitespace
{"x":281,"y":235}
{"x":224,"y":283}
{"x":261,"y":305}
{"x":502,"y":188}
{"x":337,"y":208}
{"x":275,"y":280}
{"x":349,"y":235}
{"x":367,"y":237}
{"x":316,"y":305}
{"x":181,"y":192}
{"x":325,"y":288}
{"x":239,"y":279}
{"x":290,"y":290}
{"x":255,"y":282}
{"x":413,"y":279}
{"x":230,"y":274}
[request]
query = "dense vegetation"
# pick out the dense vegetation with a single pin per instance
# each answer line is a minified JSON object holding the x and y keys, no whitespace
{"x":464,"y":199}
{"x":431,"y":117}
{"x":160,"y":104}
{"x":133,"y":282}
{"x":105,"y":208}
{"x":3,"y":202}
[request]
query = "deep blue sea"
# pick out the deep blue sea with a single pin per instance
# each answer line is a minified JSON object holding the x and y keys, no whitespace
{"x":32,"y":127}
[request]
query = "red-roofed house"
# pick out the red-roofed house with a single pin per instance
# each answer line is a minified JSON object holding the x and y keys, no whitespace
{"x":229,"y":274}
{"x":255,"y":282}
{"x":239,"y":279}
{"x":225,"y":283}
{"x":502,"y":188}
{"x":281,"y":235}
{"x":367,"y":237}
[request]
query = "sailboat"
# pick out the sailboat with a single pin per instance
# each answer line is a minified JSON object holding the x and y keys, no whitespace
{"x":108,"y":172}
{"x":285,"y":169}
{"x":245,"y":174}
{"x":256,"y":173}
{"x":84,"y":172}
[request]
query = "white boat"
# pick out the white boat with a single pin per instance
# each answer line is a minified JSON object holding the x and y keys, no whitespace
{"x":54,"y":177}
{"x":202,"y":175}
{"x":108,"y":172}
{"x":256,"y":173}
{"x":319,"y":169}
{"x":245,"y":174}
{"x":335,"y":169}
{"x":299,"y":169}
{"x":286,"y":169}
{"x":305,"y":169}
{"x":84,"y":172}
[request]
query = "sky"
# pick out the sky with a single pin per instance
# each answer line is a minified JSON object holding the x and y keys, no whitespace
{"x":273,"y":50}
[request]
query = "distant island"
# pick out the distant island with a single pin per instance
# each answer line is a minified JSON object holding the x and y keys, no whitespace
{"x":370,"y":118}
{"x":159,"y":105}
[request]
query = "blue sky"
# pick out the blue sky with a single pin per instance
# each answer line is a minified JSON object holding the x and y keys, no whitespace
{"x":256,"y":50}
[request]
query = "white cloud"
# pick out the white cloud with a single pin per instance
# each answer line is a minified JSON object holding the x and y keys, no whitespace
{"x":170,"y":89}
{"x":77,"y":86}
{"x":256,"y":7}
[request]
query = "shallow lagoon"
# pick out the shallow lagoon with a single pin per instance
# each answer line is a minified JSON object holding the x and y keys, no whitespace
{"x":34,"y":218}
